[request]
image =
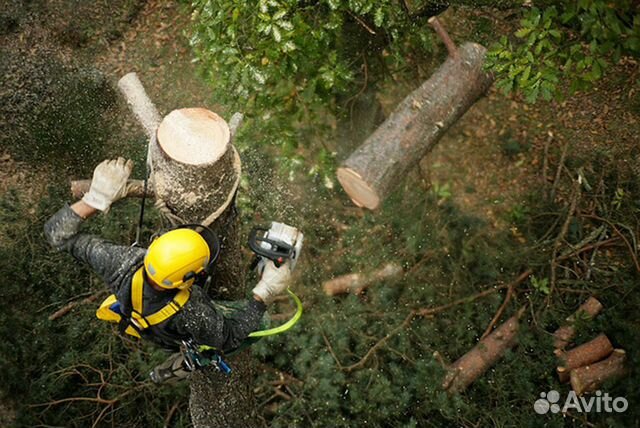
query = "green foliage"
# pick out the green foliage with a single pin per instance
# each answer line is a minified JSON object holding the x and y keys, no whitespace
{"x":292,"y":65}
{"x":567,"y":41}
{"x":43,"y":361}
{"x":540,"y":285}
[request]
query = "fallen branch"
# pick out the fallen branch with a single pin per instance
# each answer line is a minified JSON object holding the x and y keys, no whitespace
{"x":67,"y":308}
{"x":481,"y":357}
{"x":590,"y":378}
{"x":379,"y":344}
{"x":632,"y":252}
{"x":356,"y":283}
{"x":429,"y":312}
{"x":587,"y":353}
{"x":564,"y":334}
{"x":523,"y":276}
{"x":563,"y":233}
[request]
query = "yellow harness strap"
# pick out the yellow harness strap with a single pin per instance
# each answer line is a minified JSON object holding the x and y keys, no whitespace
{"x":169,"y":310}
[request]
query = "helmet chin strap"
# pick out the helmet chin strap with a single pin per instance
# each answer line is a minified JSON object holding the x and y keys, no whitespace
{"x":152,"y":283}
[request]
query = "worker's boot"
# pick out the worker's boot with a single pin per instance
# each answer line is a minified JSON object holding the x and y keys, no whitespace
{"x":172,"y":370}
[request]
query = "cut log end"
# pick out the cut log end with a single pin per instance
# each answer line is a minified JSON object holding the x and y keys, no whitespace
{"x":358,"y":190}
{"x":194,"y":136}
{"x":590,"y":378}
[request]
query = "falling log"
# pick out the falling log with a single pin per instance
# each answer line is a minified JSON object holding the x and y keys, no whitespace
{"x":486,"y":353}
{"x":373,"y":170}
{"x":195,"y":171}
{"x":590,"y":378}
{"x":587,"y":353}
{"x":356,"y":283}
{"x":563,"y":335}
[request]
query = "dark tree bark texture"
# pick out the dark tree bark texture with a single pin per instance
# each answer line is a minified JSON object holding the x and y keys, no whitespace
{"x":415,"y":127}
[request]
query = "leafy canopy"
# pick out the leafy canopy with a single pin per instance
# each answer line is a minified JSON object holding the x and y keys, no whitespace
{"x":567,"y":42}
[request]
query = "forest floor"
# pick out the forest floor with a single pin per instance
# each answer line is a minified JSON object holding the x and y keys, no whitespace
{"x":489,"y":163}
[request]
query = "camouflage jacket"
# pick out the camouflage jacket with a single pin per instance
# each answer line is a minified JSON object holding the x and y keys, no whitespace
{"x":198,"y":319}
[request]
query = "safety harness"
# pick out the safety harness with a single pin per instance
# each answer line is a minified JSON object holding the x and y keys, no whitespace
{"x":137,"y":323}
{"x":196,"y":356}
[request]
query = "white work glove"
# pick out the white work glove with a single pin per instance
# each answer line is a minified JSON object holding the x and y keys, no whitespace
{"x":109,"y":183}
{"x":274,"y":281}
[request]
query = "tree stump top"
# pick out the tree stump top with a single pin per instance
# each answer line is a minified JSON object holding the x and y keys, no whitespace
{"x":194,"y":136}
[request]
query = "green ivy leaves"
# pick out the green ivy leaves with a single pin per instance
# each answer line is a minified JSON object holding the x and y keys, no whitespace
{"x":573,"y":40}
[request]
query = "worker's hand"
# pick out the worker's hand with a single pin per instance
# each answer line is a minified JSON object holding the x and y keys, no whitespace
{"x":109,"y":183}
{"x":274,"y":281}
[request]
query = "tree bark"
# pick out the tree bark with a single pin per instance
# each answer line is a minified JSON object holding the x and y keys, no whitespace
{"x":590,"y":378}
{"x":195,"y":171}
{"x":415,"y":127}
{"x":356,"y":283}
{"x":563,"y":335}
{"x":587,"y":353}
{"x":486,"y":353}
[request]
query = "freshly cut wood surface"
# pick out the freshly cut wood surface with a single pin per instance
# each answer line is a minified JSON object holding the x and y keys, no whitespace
{"x":593,"y":351}
{"x":194,"y":136}
{"x":563,"y":335}
{"x":205,"y":172}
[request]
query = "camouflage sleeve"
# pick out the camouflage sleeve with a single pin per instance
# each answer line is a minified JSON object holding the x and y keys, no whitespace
{"x":208,"y":326}
{"x":112,"y":262}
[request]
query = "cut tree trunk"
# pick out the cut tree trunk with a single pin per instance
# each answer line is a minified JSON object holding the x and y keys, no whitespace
{"x":417,"y":124}
{"x":356,"y":283}
{"x":195,"y":171}
{"x":486,"y":353}
{"x":563,"y":335}
{"x":590,"y":378}
{"x":587,"y":353}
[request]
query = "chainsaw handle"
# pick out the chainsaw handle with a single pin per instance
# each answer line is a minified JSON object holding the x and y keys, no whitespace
{"x":279,"y":255}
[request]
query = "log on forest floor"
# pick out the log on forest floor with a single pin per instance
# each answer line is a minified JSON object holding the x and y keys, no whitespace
{"x":563,"y":335}
{"x":590,"y":378}
{"x":356,"y":283}
{"x":373,"y":170}
{"x":587,"y":353}
{"x":481,"y":357}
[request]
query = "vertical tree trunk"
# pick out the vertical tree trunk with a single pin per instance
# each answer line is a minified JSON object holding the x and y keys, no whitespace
{"x":196,"y":171}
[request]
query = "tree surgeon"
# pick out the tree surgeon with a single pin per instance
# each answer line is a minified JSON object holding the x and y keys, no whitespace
{"x":154,"y":296}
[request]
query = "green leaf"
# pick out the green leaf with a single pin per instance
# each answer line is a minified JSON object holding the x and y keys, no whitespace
{"x":378,"y":17}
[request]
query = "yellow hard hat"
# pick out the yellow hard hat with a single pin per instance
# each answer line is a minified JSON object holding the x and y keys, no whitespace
{"x":175,"y":258}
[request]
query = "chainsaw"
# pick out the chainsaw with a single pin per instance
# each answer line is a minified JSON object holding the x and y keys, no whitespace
{"x":279,"y":243}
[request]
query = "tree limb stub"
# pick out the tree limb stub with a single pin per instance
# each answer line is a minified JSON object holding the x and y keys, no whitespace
{"x":563,"y":335}
{"x":587,"y":353}
{"x":444,"y":36}
{"x":135,"y":189}
{"x":140,"y":103}
{"x":375,"y":168}
{"x":481,"y":357}
{"x":591,"y":377}
{"x":356,"y":283}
